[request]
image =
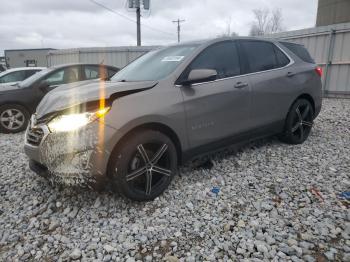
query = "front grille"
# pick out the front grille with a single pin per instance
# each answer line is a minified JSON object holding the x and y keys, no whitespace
{"x":35,"y":135}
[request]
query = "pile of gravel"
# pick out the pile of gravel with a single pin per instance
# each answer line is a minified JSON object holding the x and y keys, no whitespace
{"x":275,"y":202}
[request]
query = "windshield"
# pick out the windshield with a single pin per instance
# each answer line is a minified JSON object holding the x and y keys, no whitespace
{"x":30,"y":80}
{"x":4,"y":73}
{"x":154,"y":65}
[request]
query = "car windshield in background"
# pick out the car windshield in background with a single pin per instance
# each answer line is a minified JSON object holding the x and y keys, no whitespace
{"x":33,"y":78}
{"x":155,"y":65}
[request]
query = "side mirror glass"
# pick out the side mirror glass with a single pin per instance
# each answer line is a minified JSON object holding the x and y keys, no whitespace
{"x":201,"y":75}
{"x":44,"y":86}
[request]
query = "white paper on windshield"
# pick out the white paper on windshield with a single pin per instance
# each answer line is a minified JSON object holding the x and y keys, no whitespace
{"x":172,"y":58}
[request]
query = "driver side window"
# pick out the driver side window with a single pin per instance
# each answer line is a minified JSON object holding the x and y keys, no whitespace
{"x":222,"y":57}
{"x":55,"y":78}
{"x":63,"y":76}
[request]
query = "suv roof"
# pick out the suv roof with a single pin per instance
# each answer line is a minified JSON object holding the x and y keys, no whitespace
{"x":24,"y":68}
{"x":214,"y":40}
{"x":77,"y":64}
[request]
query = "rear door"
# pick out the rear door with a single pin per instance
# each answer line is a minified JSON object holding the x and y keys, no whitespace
{"x":216,"y":109}
{"x":271,"y":81}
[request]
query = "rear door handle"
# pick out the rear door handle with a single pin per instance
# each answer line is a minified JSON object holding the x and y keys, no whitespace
{"x":290,"y":74}
{"x":240,"y":85}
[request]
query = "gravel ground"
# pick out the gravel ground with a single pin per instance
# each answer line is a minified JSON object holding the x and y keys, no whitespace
{"x":276,"y":202}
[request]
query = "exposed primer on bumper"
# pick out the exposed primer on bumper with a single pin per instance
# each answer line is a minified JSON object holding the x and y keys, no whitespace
{"x":74,"y":158}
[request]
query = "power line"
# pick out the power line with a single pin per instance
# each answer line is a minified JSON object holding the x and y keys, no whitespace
{"x":178,"y":21}
{"x":128,"y":18}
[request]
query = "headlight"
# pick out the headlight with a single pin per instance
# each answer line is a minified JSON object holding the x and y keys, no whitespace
{"x":71,"y":122}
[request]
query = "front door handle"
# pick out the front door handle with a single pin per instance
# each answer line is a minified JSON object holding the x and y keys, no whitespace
{"x":240,"y":85}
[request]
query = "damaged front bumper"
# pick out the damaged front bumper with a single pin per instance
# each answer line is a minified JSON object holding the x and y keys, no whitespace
{"x":77,"y":158}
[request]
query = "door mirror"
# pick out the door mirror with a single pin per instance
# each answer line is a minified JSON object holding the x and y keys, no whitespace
{"x":200,"y":75}
{"x":44,"y":86}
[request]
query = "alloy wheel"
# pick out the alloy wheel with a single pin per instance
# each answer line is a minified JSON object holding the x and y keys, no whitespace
{"x":12,"y":119}
{"x":302,"y":121}
{"x":150,"y":168}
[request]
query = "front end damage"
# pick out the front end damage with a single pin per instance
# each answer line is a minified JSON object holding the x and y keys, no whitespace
{"x":76,"y":158}
{"x":68,"y":140}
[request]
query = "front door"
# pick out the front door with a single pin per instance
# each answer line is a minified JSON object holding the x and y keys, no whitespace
{"x":218,"y":109}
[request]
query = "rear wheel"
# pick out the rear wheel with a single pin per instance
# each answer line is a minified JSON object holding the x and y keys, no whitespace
{"x":299,"y":122}
{"x":144,"y":165}
{"x":13,"y":118}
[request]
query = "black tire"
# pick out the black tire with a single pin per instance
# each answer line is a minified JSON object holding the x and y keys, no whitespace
{"x":135,"y":165}
{"x":14,"y":122}
{"x":298,"y":123}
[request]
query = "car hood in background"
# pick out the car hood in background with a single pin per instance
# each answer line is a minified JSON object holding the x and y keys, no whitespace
{"x":9,"y":84}
{"x":78,"y":93}
{"x":8,"y":87}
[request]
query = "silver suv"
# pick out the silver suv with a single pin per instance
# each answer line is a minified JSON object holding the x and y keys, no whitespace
{"x":171,"y":105}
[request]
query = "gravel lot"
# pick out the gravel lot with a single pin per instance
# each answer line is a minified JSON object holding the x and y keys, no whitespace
{"x":276,"y":202}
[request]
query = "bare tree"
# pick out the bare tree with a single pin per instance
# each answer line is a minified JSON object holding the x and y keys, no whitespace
{"x":228,"y":32}
{"x":276,"y":21}
{"x":266,"y":22}
{"x":262,"y":20}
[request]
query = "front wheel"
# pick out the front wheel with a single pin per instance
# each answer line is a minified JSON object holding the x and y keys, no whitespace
{"x":143,"y":165}
{"x":299,"y":122}
{"x":13,"y":118}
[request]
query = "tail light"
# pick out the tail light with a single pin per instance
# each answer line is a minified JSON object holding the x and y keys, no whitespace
{"x":319,"y":71}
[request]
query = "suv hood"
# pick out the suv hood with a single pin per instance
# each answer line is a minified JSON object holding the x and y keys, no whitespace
{"x":78,"y":93}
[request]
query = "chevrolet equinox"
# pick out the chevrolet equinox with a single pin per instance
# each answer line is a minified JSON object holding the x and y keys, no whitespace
{"x":170,"y":105}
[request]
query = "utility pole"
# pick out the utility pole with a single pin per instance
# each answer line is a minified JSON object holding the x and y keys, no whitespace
{"x":136,"y":5}
{"x":138,"y":22}
{"x":178,"y":21}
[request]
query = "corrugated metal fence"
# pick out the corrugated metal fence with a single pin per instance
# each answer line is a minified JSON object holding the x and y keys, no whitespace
{"x":116,"y":56}
{"x":330,"y":47}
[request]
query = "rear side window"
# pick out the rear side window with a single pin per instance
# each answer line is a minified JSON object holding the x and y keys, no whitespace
{"x":299,"y":51}
{"x":282,"y":59}
{"x":91,"y":72}
{"x":222,"y":57}
{"x":262,"y":56}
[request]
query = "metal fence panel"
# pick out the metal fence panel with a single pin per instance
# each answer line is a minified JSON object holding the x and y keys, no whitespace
{"x":115,"y":56}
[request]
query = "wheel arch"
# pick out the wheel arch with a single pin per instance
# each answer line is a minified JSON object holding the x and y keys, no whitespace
{"x":18,"y":104}
{"x":307,"y":97}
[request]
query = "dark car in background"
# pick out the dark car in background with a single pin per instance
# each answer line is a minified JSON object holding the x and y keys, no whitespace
{"x":18,"y":102}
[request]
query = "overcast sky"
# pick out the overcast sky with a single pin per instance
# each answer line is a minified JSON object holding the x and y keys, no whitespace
{"x":81,"y":23}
